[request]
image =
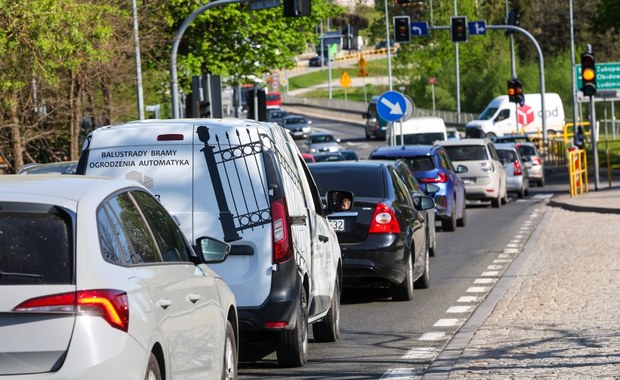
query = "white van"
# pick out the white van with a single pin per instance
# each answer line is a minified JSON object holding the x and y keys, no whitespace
{"x":244,"y":182}
{"x":502,"y":117}
{"x":417,"y":131}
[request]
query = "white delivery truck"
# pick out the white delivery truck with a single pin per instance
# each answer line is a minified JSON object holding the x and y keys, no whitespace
{"x":417,"y":131}
{"x":502,"y":117}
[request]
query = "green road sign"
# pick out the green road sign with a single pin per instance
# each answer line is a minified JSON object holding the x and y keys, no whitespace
{"x":607,"y":76}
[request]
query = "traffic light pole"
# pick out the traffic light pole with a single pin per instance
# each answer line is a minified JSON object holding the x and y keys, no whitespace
{"x":174,"y":82}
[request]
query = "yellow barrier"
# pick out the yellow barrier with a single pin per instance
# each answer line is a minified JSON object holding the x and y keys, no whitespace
{"x":610,"y":165}
{"x":577,"y":171}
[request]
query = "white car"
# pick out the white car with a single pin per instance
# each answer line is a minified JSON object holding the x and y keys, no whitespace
{"x":97,"y":281}
{"x":485,"y":178}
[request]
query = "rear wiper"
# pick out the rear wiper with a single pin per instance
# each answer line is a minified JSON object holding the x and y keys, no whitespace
{"x":11,"y":274}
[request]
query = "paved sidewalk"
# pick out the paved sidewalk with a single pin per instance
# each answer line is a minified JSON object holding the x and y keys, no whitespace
{"x":554,"y":314}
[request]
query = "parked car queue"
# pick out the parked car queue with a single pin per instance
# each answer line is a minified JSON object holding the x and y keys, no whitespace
{"x":377,"y":218}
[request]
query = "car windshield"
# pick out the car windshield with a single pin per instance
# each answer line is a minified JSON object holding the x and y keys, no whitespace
{"x":297,"y":120}
{"x":488,"y":113}
{"x":321,"y":138}
{"x":420,"y":138}
{"x":467,"y":153}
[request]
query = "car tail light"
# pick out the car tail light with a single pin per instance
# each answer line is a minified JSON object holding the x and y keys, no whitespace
{"x":110,"y":304}
{"x":517,"y":168}
{"x":282,"y":240}
{"x":441,"y":178}
{"x":487,"y":167}
{"x":536,"y":161}
{"x":384,"y":221}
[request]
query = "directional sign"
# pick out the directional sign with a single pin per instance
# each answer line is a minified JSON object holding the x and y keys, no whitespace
{"x":607,"y":76}
{"x":419,"y":28}
{"x":391,"y":106}
{"x":477,"y":27}
{"x":345,"y":80}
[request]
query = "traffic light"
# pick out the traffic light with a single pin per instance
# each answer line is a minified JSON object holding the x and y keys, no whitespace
{"x":513,"y":19}
{"x":297,"y":8}
{"x":519,"y":95}
{"x":458,"y":28}
{"x":511,"y":91}
{"x":588,"y":74}
{"x":402,"y":29}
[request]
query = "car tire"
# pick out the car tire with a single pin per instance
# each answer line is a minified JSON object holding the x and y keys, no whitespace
{"x":328,"y":329}
{"x":449,"y":224}
{"x":292,"y":345}
{"x":153,"y":372}
{"x":505,"y":197}
{"x":432,"y":249}
{"x":541,"y":182}
{"x":521,"y":193}
{"x":424,"y":282}
{"x":462,"y":221}
{"x":404,"y":290}
{"x":229,"y":368}
{"x":496,"y":202}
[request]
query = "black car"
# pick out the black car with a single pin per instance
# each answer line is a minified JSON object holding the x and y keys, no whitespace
{"x":383,"y":235}
{"x":317,"y":61}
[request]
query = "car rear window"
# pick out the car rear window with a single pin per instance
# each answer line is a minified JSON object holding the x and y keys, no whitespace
{"x":527,"y":150}
{"x":359,"y":181}
{"x":297,"y":120}
{"x":421,"y":164}
{"x":507,"y":155}
{"x":421,"y":138}
{"x":467,"y":153}
{"x":36,"y":245}
{"x":314,"y":139}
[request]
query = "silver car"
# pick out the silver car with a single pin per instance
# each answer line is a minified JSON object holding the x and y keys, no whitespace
{"x":322,"y":142}
{"x":533,"y":162}
{"x":97,"y":281}
{"x":485,"y":178}
{"x":517,"y":179}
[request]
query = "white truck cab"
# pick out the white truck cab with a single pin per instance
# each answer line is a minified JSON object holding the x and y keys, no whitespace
{"x":417,"y":131}
{"x":501,"y":117}
{"x":243,"y":182}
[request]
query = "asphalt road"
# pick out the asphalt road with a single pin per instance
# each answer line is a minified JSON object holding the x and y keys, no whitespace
{"x":398,"y":340}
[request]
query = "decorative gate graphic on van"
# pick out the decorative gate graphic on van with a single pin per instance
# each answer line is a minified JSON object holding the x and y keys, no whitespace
{"x":243,"y":203}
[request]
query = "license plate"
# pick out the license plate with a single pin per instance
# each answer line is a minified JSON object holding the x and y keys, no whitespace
{"x":337,"y":224}
{"x":469,"y":181}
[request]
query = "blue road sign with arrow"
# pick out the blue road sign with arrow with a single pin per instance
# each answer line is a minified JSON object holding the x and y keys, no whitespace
{"x":419,"y":28}
{"x":477,"y":27}
{"x":391,"y":106}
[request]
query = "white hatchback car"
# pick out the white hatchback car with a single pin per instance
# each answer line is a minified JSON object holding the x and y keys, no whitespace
{"x":485,"y":178}
{"x":98,"y":282}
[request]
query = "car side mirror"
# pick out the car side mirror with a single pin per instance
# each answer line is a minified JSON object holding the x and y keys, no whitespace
{"x":423,"y":202}
{"x":211,"y":250}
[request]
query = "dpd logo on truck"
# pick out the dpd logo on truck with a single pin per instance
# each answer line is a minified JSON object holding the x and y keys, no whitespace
{"x":525,"y":114}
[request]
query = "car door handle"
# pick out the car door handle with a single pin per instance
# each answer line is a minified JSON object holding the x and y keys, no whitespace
{"x":164,"y":303}
{"x":193,"y":297}
{"x":323,"y":238}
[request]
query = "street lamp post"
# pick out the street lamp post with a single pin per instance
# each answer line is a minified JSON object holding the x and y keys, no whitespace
{"x":138,"y":63}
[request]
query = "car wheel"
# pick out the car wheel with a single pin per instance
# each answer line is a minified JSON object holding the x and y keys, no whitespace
{"x":505,"y":198}
{"x":521,"y":193}
{"x":292,"y":345}
{"x":496,"y":202}
{"x":404,"y":290}
{"x":463,"y":220}
{"x":541,"y":182}
{"x":153,"y":371}
{"x":450,"y":223}
{"x":229,"y":369}
{"x":328,"y":329}
{"x":424,"y":282}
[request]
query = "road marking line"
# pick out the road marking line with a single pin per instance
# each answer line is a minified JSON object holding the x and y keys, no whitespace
{"x":468,"y":299}
{"x":477,"y":289}
{"x":402,"y":374}
{"x":501,"y":261}
{"x":433,"y":336}
{"x":459,"y":309}
{"x":482,"y":281}
{"x":495,"y":267}
{"x":448,"y":322}
{"x":421,"y":353}
{"x":490,"y":273}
